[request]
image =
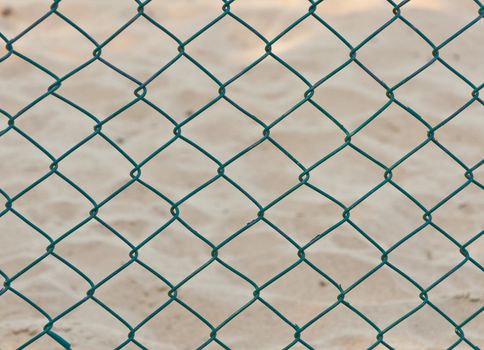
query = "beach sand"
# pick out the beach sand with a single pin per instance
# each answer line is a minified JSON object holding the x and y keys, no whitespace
{"x":215,"y":213}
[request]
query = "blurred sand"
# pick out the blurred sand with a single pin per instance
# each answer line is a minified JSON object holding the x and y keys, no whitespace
{"x":219,"y":210}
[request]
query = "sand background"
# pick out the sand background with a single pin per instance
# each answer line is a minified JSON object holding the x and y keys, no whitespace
{"x":219,"y":210}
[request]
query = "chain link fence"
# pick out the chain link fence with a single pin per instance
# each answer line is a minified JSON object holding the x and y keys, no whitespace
{"x":181,"y":48}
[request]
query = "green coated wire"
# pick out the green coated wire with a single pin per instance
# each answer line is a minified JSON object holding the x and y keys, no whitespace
{"x":303,"y":180}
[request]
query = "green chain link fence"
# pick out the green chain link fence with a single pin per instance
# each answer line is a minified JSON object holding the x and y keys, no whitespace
{"x":304,"y":179}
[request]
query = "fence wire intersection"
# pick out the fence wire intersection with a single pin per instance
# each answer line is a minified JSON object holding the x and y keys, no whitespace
{"x":304,"y":179}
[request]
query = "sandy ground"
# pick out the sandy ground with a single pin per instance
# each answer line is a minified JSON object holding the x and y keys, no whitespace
{"x":219,"y":210}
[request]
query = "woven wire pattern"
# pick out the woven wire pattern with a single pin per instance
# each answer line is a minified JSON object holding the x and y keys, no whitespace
{"x":140,"y":96}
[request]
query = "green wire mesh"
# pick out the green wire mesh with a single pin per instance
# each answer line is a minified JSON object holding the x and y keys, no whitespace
{"x":304,"y":179}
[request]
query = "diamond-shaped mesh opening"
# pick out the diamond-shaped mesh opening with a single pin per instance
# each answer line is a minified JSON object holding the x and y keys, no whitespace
{"x":466,"y":204}
{"x":460,"y":294}
{"x":216,"y":293}
{"x":242,"y":47}
{"x":223,"y":140}
{"x":259,"y":253}
{"x":270,"y":19}
{"x":426,"y":328}
{"x":311,"y":290}
{"x":182,"y":89}
{"x":20,"y":83}
{"x":140,"y":50}
{"x":41,"y":123}
{"x":168,"y":328}
{"x":102,"y":332}
{"x":452,"y":134}
{"x":301,"y":133}
{"x":346,"y":170}
{"x":439,"y":20}
{"x":139,"y":130}
{"x":19,"y":322}
{"x":264,"y":172}
{"x":297,"y":50}
{"x":429,"y":247}
{"x":344,"y":255}
{"x":267,"y":90}
{"x":175,"y":252}
{"x":90,"y":243}
{"x":461,"y":53}
{"x":365,"y":94}
{"x":349,"y":18}
{"x":220,"y":200}
{"x":340,"y":328}
{"x":367,"y":297}
{"x":16,"y":16}
{"x":391,"y":47}
{"x":100,"y":19}
{"x":138,"y":205}
{"x":64,"y":48}
{"x":413,"y":175}
{"x":440,"y":93}
{"x":84,"y":88}
{"x":175,"y":178}
{"x":22,"y":157}
{"x":54,"y":206}
{"x":303,"y":214}
{"x":52,"y":285}
{"x":97,"y":158}
{"x":241,"y":174}
{"x":256,"y":327}
{"x":391,"y":135}
{"x":387,"y":216}
{"x":141,"y":291}
{"x":182,"y":18}
{"x":26,"y":244}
